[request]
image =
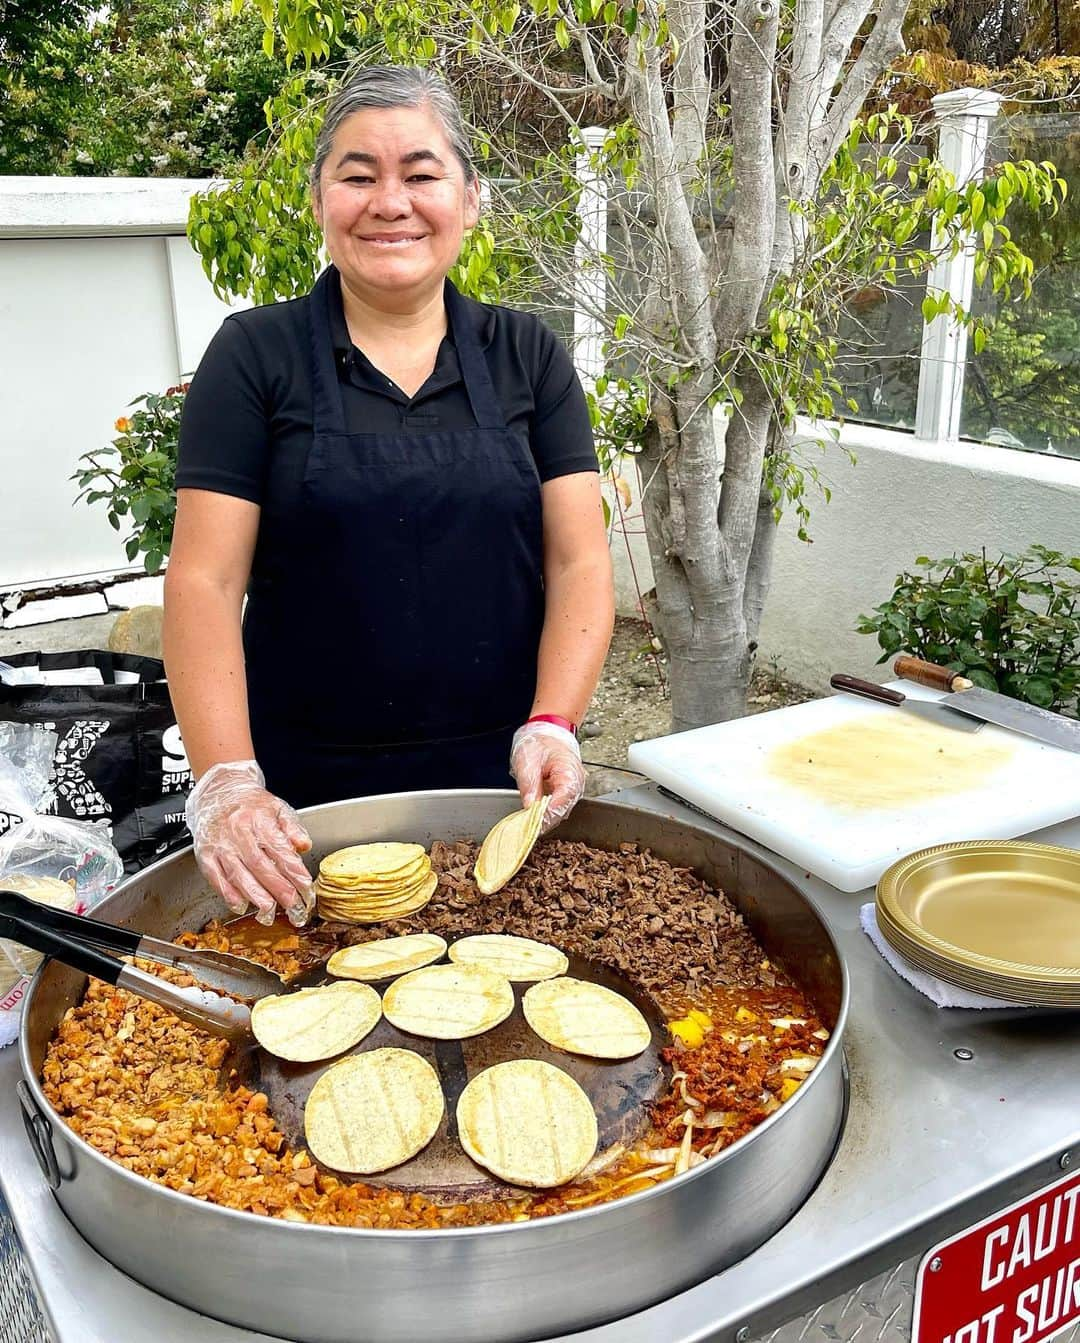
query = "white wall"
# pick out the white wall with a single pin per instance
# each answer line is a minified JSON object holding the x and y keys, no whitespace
{"x":903,"y":498}
{"x":101,"y":299}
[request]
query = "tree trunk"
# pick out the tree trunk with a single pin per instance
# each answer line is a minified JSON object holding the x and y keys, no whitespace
{"x":700,"y":616}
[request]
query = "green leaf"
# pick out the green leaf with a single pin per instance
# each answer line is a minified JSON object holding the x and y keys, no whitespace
{"x":1038,"y":690}
{"x":981,"y":677}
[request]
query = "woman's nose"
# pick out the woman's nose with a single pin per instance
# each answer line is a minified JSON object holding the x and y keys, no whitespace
{"x":390,"y":199}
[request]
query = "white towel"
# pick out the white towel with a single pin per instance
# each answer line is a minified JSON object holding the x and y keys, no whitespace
{"x":937,"y":990}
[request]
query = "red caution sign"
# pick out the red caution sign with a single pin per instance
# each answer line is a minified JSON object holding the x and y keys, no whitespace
{"x":1013,"y":1278}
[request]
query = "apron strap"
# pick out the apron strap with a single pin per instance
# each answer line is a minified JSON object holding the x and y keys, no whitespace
{"x":474,"y":366}
{"x":328,"y":410}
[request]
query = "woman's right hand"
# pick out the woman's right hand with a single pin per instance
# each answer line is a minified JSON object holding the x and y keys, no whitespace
{"x":248,"y":843}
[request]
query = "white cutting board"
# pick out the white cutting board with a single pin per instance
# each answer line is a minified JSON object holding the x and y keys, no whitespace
{"x":844,"y":787}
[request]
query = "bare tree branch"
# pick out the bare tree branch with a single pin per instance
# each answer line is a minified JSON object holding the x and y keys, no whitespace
{"x":753,"y":52}
{"x":686,"y":20}
{"x":884,"y":44}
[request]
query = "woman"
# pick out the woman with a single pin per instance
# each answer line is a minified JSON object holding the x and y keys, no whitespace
{"x":403,"y":482}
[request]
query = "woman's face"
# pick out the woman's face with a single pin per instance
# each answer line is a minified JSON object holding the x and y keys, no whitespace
{"x":394,"y":205}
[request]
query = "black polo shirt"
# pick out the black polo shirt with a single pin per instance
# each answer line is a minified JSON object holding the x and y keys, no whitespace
{"x":248,"y":412}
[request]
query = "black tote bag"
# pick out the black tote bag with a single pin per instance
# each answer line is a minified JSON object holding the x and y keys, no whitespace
{"x":119,"y":759}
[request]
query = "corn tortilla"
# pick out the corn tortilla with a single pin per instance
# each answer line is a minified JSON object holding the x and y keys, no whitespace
{"x":585,"y":1018}
{"x":527,"y":1122}
{"x":519,"y":959}
{"x":15,"y":959}
{"x":448,"y":1002}
{"x":315,"y":1023}
{"x":387,"y":957}
{"x":506,"y":846}
{"x":373,"y":1111}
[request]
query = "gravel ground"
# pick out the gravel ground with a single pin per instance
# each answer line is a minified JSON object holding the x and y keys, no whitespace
{"x":631,"y":704}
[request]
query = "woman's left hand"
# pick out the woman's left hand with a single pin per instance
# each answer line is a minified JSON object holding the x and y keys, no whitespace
{"x":546,"y":758}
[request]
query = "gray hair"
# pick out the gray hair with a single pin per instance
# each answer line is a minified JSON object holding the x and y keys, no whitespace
{"x":395,"y":86}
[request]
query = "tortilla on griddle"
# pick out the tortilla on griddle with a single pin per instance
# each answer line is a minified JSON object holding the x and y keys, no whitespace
{"x":315,"y":1023}
{"x":527,"y":1122}
{"x":519,"y":959}
{"x":387,"y":957}
{"x":585,"y":1018}
{"x":373,"y":1111}
{"x":448,"y":1002}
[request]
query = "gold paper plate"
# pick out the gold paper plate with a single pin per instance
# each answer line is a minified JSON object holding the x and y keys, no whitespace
{"x":1008,"y":990}
{"x":1002,"y":914}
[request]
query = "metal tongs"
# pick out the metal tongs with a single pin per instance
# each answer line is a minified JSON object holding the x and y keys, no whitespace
{"x":219,"y":1002}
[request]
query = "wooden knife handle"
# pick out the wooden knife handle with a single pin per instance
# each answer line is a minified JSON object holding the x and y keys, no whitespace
{"x":867,"y":689}
{"x":929,"y":674}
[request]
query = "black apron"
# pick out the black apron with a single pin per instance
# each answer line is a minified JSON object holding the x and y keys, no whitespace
{"x":393,"y":645}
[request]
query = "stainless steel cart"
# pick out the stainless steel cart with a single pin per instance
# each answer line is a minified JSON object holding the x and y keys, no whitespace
{"x":953,"y":1115}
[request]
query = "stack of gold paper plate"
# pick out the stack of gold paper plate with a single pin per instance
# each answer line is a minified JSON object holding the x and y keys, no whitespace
{"x":371,"y":883}
{"x":998,"y":917}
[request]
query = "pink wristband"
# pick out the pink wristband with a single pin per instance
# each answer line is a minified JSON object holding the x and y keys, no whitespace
{"x":555,"y":718}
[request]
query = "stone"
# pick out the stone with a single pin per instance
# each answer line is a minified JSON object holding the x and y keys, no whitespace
{"x":590,"y":728}
{"x":642,"y":677}
{"x":138,"y":631}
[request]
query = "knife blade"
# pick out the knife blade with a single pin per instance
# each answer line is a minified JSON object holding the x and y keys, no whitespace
{"x":1013,"y":714}
{"x":930,"y":710}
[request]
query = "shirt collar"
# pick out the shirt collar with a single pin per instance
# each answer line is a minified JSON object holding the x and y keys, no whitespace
{"x":482,"y":316}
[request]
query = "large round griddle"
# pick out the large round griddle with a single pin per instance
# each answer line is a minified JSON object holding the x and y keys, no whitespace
{"x":487,"y":1284}
{"x":620,"y":1090}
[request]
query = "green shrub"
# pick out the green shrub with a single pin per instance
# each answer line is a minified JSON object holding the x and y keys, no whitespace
{"x":136,"y":475}
{"x":1010,"y":624}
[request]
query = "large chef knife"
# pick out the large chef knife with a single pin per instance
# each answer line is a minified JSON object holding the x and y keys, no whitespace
{"x":1052,"y":728}
{"x":931,"y":710}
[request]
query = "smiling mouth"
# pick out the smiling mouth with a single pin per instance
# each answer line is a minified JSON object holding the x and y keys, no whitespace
{"x":398,"y":241}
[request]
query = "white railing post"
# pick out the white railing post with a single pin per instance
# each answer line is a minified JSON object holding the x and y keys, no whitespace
{"x":964,"y":117}
{"x":590,"y":277}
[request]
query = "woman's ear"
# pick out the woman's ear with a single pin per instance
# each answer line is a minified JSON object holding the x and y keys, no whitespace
{"x":316,"y":205}
{"x":472,"y":202}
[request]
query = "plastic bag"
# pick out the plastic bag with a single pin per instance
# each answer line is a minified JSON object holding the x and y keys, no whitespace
{"x":48,"y":850}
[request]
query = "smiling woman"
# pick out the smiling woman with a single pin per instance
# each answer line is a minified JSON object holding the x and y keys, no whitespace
{"x":404,"y":485}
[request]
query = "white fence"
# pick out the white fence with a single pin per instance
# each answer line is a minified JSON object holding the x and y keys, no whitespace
{"x":101,"y":298}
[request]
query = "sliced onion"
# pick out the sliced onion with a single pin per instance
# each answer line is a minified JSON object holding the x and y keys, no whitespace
{"x":803,"y":1064}
{"x":661,"y":1156}
{"x":602,"y":1161}
{"x":683,"y":1163}
{"x":719,"y":1119}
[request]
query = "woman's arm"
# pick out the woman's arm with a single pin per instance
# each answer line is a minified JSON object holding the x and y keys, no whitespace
{"x":246,"y":840}
{"x":209,"y":564}
{"x":579,"y":614}
{"x":579,"y":611}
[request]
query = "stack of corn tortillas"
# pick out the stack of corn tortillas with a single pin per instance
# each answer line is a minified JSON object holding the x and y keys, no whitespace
{"x":371,"y":883}
{"x":506,"y":846}
{"x":16,"y":960}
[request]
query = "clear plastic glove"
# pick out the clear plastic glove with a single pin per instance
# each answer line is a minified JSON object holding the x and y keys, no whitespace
{"x":546,"y":758}
{"x":248,"y":842}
